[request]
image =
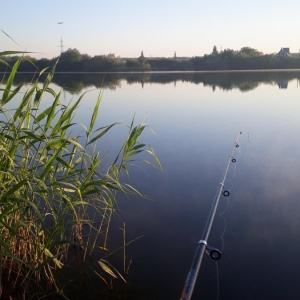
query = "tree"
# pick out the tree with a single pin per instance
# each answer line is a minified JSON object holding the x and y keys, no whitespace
{"x":248,"y":52}
{"x":71,"y":56}
{"x":102,"y":63}
{"x":70,"y":60}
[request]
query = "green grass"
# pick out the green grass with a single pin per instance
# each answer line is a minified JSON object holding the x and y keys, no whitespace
{"x":55,"y":203}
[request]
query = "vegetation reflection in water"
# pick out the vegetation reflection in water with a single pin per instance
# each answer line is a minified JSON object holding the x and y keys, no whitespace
{"x":244,"y":81}
{"x":50,"y":180}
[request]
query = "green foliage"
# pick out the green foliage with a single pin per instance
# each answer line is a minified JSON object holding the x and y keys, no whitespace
{"x":52,"y":192}
{"x":71,"y":56}
{"x":248,"y":52}
{"x":72,"y":60}
{"x":101,"y":63}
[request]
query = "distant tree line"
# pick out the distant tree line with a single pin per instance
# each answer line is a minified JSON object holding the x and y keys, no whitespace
{"x":73,"y":61}
{"x":245,"y":59}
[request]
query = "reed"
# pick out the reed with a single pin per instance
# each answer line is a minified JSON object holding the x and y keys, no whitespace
{"x":56,"y":198}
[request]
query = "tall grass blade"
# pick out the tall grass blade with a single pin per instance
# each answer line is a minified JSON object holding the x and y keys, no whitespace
{"x":102,"y":133}
{"x":52,"y":161}
{"x":5,"y":53}
{"x":51,"y":113}
{"x":107,"y":269}
{"x":5,"y":96}
{"x":66,"y":116}
{"x":94,"y":115}
{"x":27,"y":97}
{"x":9,"y":37}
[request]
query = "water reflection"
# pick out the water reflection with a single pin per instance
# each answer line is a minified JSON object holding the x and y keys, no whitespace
{"x":242,"y":81}
{"x":282,"y":84}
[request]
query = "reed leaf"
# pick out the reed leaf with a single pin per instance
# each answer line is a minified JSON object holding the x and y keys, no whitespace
{"x":10,"y":95}
{"x":5,"y":53}
{"x":73,"y":141}
{"x":55,"y":260}
{"x":103,"y":131}
{"x":15,"y":188}
{"x":94,"y":115}
{"x":25,"y":101}
{"x":51,"y":161}
{"x":66,"y":116}
{"x":6,"y":94}
{"x":51,"y":113}
{"x":9,"y":38}
{"x":151,"y":152}
{"x":49,"y":76}
{"x":43,"y":114}
{"x":5,"y":63}
{"x":107,"y":269}
{"x":32,"y":135}
{"x":133,"y":136}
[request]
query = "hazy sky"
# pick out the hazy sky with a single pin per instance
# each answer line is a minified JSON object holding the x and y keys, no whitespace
{"x":158,"y":28}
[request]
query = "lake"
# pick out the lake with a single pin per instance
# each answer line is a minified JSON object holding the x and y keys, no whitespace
{"x":194,"y":120}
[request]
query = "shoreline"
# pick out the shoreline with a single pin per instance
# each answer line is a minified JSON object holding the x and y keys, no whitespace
{"x":166,"y":72}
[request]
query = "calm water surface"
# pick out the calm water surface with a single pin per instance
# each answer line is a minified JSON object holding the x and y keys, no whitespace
{"x":196,"y":118}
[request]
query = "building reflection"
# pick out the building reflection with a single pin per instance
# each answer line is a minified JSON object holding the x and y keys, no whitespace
{"x":282,"y":84}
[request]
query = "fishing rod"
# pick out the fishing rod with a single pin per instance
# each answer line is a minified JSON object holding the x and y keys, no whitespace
{"x":202,"y":246}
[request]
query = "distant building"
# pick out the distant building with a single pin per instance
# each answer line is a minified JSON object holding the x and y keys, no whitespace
{"x":284,"y":52}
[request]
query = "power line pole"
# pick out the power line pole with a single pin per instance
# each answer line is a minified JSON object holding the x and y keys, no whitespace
{"x":61,"y":46}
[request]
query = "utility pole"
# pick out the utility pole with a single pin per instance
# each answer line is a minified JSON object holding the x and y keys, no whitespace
{"x":61,"y":46}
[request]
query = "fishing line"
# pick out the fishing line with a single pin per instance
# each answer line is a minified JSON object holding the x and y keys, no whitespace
{"x":223,"y":213}
{"x":229,"y":187}
{"x":218,"y":281}
{"x":235,"y":169}
{"x":225,"y":224}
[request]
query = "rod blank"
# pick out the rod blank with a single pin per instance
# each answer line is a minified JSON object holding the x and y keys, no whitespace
{"x":202,"y":245}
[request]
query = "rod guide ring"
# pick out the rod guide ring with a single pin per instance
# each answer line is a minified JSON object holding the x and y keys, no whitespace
{"x":213,"y":252}
{"x":226,"y":193}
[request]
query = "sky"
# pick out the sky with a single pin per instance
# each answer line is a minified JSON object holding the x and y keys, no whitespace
{"x":159,"y":28}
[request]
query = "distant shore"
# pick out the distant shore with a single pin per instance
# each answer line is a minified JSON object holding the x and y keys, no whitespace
{"x":244,"y":60}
